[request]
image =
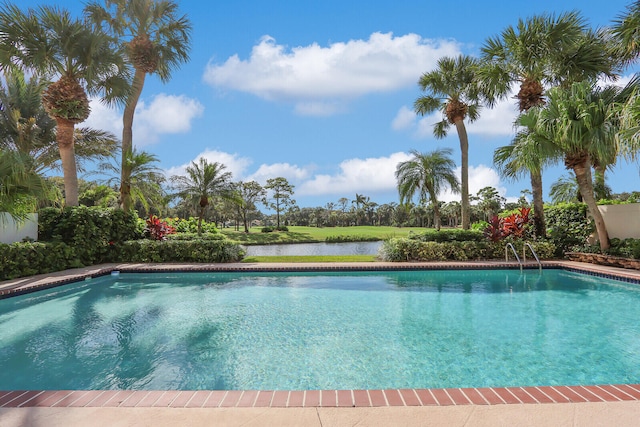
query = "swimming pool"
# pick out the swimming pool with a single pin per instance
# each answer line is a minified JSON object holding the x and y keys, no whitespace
{"x":346,"y":330}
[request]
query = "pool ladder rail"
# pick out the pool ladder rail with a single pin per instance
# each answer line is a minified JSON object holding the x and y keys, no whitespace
{"x":524,"y":254}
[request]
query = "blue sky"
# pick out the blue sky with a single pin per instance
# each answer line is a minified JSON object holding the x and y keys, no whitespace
{"x":321,"y":92}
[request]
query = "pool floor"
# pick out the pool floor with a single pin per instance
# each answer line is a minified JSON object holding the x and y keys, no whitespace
{"x":309,"y":398}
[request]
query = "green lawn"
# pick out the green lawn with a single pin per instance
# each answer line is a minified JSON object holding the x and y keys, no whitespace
{"x":298,"y":234}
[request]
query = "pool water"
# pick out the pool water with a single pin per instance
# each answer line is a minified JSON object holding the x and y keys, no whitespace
{"x":341,"y":330}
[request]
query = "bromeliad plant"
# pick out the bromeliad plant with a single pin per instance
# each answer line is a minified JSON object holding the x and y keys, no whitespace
{"x":157,"y":229}
{"x":514,"y":225}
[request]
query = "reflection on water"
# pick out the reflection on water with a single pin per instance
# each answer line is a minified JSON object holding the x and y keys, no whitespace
{"x":301,"y":249}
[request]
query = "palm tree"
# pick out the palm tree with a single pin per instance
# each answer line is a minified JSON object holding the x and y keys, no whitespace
{"x":427,"y":174}
{"x":452,"y":88}
{"x":26,"y":127}
{"x":49,"y":41}
{"x":145,"y":178}
{"x":204,"y":181}
{"x":565,"y":190}
{"x":583,"y":124}
{"x":540,"y":51}
{"x":625,"y":34}
{"x":21,"y":186}
{"x":155,"y":40}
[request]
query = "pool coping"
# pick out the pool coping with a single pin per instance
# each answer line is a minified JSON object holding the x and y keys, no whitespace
{"x":546,"y":394}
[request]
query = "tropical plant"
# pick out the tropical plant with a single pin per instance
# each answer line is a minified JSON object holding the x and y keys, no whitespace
{"x":21,"y":186}
{"x":427,"y":174}
{"x":155,"y":40}
{"x":543,"y":50}
{"x":204,"y":181}
{"x":279,"y":197}
{"x":145,"y":179}
{"x":565,"y":190}
{"x":452,"y":89}
{"x":625,"y":33}
{"x":50,"y":42}
{"x":583,"y":124}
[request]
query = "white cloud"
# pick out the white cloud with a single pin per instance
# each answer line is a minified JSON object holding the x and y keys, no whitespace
{"x":292,"y":173}
{"x":404,"y":119}
{"x":357,"y":175}
{"x":496,"y":121}
{"x":235,"y":164}
{"x":164,"y":114}
{"x":337,"y":73}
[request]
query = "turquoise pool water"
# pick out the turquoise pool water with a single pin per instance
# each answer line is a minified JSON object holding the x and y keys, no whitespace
{"x":347,"y":330}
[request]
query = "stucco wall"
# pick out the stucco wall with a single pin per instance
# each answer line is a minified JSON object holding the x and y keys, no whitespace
{"x":622,"y":221}
{"x":11,"y":232}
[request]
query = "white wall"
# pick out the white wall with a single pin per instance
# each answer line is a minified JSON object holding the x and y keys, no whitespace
{"x":11,"y":232}
{"x":622,"y":221}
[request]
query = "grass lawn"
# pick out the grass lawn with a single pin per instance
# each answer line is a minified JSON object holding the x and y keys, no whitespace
{"x":297,"y":234}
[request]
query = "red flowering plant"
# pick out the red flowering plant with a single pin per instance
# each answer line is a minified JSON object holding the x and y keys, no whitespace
{"x":157,"y":229}
{"x":515,"y":225}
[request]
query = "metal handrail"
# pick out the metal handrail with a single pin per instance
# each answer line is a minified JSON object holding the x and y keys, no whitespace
{"x":524,"y":254}
{"x":506,"y":254}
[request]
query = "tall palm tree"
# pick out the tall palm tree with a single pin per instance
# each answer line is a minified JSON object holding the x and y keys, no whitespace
{"x":26,"y":127}
{"x":452,"y":88}
{"x":427,"y":174}
{"x":155,"y":40}
{"x":543,"y":50}
{"x":583,"y":124}
{"x":50,"y":42}
{"x":204,"y":181}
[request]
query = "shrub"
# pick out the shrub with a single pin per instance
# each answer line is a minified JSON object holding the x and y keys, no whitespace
{"x":402,"y":249}
{"x":91,"y":231}
{"x":201,"y":250}
{"x":29,"y":258}
{"x":157,"y":229}
{"x":567,"y":226}
{"x":282,"y":228}
{"x":449,"y":235}
{"x":267,"y":229}
{"x":190,"y":225}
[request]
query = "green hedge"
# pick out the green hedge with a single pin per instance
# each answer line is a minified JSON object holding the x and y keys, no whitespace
{"x":29,"y":258}
{"x":83,"y":236}
{"x":450,"y":235}
{"x":181,"y":251}
{"x":404,"y":249}
{"x":347,"y":239}
{"x":567,"y":226}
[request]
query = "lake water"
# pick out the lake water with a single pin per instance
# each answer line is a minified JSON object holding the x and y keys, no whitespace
{"x":351,"y":248}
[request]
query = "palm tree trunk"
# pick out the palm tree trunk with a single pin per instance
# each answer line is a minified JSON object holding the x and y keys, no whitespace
{"x":436,"y":215}
{"x":64,"y":137}
{"x":200,"y":216}
{"x":583,"y":176}
{"x":464,"y":173}
{"x":538,"y":204}
{"x":127,"y":138}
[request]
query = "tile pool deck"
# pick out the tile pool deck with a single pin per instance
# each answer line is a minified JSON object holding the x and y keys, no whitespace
{"x":557,"y":405}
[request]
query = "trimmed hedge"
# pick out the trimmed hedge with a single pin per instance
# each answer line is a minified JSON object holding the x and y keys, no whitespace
{"x":181,"y":251}
{"x":29,"y":258}
{"x":451,"y":235}
{"x":82,"y":236}
{"x":403,"y":249}
{"x":341,"y":238}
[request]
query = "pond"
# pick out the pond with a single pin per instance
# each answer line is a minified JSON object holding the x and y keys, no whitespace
{"x":350,"y":248}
